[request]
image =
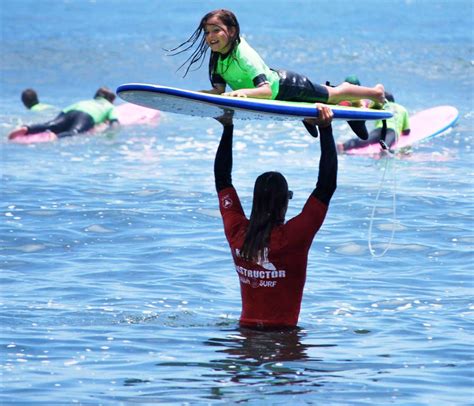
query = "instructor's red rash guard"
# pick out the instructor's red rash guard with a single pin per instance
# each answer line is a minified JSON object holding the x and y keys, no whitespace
{"x":272,"y":289}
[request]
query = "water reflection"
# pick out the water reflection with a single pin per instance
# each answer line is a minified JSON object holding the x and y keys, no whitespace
{"x":259,"y":346}
{"x":259,"y":357}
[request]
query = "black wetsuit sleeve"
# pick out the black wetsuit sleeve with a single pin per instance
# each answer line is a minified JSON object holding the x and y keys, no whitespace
{"x":327,"y":177}
{"x":259,"y":80}
{"x":217,"y":80}
{"x":223,"y":160}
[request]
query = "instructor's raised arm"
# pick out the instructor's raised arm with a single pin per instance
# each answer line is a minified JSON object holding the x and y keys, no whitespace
{"x":223,"y":159}
{"x":327,"y":176}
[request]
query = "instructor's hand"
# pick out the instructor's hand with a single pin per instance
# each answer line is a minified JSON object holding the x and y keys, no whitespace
{"x":324,"y":118}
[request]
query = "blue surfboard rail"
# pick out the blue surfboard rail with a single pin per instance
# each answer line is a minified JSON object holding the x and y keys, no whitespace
{"x":268,"y":107}
{"x":446,"y":127}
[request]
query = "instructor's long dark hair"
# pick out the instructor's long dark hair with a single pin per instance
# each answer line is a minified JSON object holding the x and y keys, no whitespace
{"x":270,"y":201}
{"x":229,"y":19}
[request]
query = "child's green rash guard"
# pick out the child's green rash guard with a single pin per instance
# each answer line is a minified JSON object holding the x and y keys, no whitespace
{"x":99,"y":109}
{"x":400,"y":120}
{"x":41,"y":107}
{"x":243,"y":68}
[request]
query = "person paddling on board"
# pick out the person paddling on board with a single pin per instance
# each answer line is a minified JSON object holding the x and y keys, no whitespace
{"x":270,"y":255}
{"x":398,"y":125}
{"x":29,"y":97}
{"x":235,"y":63}
{"x":77,"y":118}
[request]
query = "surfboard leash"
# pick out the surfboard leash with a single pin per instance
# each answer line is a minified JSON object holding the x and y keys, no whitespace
{"x":388,"y":160}
{"x":383,"y":136}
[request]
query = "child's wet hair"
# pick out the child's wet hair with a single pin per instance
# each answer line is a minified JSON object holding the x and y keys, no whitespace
{"x":228,"y":19}
{"x":106,"y":93}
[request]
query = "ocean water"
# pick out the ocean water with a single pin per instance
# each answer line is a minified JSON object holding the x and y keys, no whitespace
{"x":117,"y":285}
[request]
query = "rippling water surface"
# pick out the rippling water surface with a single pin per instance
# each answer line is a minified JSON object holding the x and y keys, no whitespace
{"x":117,"y":285}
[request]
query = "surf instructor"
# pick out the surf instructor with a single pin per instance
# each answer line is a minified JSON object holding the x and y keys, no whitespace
{"x":270,"y":255}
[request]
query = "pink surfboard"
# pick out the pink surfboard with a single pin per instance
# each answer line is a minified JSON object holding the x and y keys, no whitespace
{"x":132,"y":114}
{"x":423,"y":126}
{"x":46,"y":136}
{"x":128,"y":114}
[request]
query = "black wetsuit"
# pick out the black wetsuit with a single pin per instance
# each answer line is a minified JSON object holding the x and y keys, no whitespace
{"x":65,"y":124}
{"x":374,"y":137}
{"x":299,"y":88}
{"x":327,"y":176}
{"x":78,"y":118}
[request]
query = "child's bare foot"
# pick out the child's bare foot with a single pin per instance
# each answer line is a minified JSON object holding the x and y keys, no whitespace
{"x":380,"y":93}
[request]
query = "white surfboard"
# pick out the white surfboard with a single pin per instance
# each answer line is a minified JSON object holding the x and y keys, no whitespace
{"x":180,"y":101}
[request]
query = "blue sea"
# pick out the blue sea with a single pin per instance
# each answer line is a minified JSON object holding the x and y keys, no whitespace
{"x":117,"y":284}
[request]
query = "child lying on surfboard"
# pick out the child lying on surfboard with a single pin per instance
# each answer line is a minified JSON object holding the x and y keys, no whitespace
{"x":398,"y":125}
{"x":77,"y":118}
{"x":233,"y":62}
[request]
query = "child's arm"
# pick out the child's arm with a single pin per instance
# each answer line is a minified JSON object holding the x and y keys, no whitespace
{"x":406,"y":122}
{"x":217,"y":89}
{"x":263,"y":91}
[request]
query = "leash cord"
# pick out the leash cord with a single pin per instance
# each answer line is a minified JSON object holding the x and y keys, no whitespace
{"x":394,"y":207}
